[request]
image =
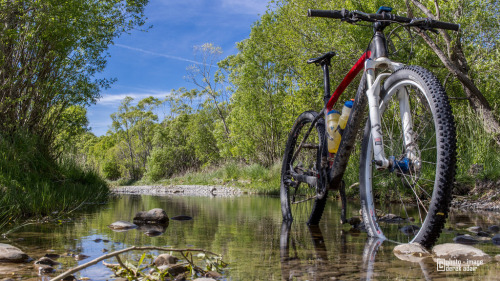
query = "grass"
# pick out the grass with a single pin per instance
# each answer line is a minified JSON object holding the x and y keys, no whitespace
{"x":476,"y":148}
{"x":33,"y":185}
{"x":255,"y":178}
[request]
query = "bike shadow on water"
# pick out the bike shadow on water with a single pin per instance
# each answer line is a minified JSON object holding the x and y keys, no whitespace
{"x":304,"y":256}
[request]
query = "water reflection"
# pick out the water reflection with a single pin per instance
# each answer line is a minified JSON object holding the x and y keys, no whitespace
{"x":249,"y":233}
{"x":317,"y":266}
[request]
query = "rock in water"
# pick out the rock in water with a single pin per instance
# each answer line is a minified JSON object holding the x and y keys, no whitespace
{"x":465,"y":239}
{"x":120,"y":226}
{"x":412,"y":252}
{"x":494,"y":229}
{"x":165,"y":259}
{"x":409,"y":230}
{"x":483,"y":234}
{"x":10,"y":253}
{"x":496,"y":239}
{"x":459,"y":252}
{"x":46,"y":261}
{"x":152,"y":216}
{"x":474,"y":229}
{"x":181,"y":218}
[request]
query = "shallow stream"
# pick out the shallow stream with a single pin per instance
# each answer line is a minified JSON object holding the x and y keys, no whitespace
{"x":249,"y":233}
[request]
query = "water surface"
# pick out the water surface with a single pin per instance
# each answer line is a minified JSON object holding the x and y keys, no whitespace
{"x":249,"y":233}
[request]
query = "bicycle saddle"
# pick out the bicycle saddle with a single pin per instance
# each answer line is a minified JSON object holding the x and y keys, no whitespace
{"x":325,"y":58}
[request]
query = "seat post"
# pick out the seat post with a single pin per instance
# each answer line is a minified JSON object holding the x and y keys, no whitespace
{"x":325,"y":65}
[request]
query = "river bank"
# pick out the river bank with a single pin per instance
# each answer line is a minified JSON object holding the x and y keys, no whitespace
{"x":186,"y":190}
{"x":483,"y":197}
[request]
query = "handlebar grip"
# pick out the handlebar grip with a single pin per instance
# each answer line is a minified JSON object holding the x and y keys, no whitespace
{"x":444,"y":25}
{"x":334,"y":14}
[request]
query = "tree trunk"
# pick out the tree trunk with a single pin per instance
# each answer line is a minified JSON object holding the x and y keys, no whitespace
{"x":456,"y":63}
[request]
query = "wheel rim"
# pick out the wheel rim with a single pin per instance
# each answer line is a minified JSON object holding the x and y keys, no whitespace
{"x":301,"y":197}
{"x":403,"y":199}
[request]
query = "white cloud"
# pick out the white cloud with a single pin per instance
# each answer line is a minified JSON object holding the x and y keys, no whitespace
{"x":108,"y":99}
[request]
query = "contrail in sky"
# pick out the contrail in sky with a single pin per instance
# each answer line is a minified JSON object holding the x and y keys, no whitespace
{"x":158,"y":54}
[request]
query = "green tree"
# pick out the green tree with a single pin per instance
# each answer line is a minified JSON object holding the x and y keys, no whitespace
{"x":134,"y":125}
{"x":50,"y":53}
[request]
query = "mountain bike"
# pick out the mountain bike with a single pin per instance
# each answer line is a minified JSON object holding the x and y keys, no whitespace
{"x":408,"y":152}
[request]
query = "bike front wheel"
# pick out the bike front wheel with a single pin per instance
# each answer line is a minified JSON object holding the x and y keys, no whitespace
{"x":303,"y":187}
{"x":409,"y":202}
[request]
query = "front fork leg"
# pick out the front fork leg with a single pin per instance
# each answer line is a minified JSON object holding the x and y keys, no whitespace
{"x":373,"y":95}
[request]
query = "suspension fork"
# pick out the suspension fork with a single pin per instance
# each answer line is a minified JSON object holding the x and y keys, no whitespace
{"x":373,"y":95}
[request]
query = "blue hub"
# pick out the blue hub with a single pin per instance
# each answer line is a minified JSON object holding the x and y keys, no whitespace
{"x":399,"y":165}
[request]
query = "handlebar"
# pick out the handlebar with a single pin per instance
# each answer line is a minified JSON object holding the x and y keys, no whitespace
{"x":355,"y":16}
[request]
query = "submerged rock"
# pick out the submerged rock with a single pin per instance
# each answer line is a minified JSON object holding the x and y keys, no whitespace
{"x":496,"y":239}
{"x":9,"y":253}
{"x":52,"y":256}
{"x":474,"y":229}
{"x":494,"y":228}
{"x":165,"y":259}
{"x":483,"y":234}
{"x":153,"y":230}
{"x":120,"y":226}
{"x":465,"y":239}
{"x":412,"y":252}
{"x":459,"y":252}
{"x":46,"y":261}
{"x":156,"y":215}
{"x":44,"y":269}
{"x":391,"y":218}
{"x":181,"y":218}
{"x":409,"y":230}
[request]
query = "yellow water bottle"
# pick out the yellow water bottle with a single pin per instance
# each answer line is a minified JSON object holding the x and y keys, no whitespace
{"x":346,"y":111}
{"x":333,"y":135}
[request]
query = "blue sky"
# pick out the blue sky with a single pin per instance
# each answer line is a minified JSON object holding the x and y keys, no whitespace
{"x":153,"y":63}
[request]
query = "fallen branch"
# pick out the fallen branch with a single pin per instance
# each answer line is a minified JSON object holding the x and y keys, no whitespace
{"x":116,"y":253}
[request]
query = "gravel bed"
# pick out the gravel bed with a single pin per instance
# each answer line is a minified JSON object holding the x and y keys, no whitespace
{"x":186,"y":190}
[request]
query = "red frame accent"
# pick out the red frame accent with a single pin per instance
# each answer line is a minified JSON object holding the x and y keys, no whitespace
{"x":360,"y":64}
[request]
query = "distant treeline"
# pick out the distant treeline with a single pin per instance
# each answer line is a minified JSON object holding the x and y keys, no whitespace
{"x":243,"y":109}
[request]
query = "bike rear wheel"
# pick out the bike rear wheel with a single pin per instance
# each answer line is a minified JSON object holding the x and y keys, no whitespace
{"x":410,"y":203}
{"x":303,"y":187}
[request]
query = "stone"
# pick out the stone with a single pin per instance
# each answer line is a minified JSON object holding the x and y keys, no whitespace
{"x":52,"y":256}
{"x":80,"y":257}
{"x":494,"y":228}
{"x":474,"y":229}
{"x":9,"y":253}
{"x":213,"y":274}
{"x":120,"y":226}
{"x":465,"y":239}
{"x":391,"y":218}
{"x":497,"y":258}
{"x":459,"y":252}
{"x":181,"y":218}
{"x":409,"y":230}
{"x":460,"y":224}
{"x":153,"y":230}
{"x":412,"y":252}
{"x":204,"y":279}
{"x":496,"y":239}
{"x":165,"y":259}
{"x":44,"y":269}
{"x":46,"y":261}
{"x":156,"y":215}
{"x":483,"y":234}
